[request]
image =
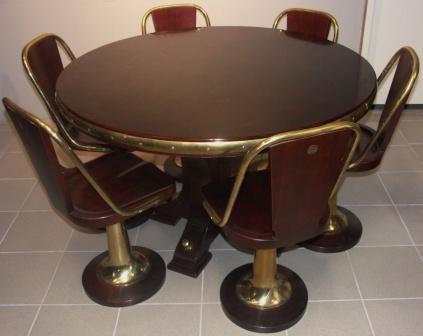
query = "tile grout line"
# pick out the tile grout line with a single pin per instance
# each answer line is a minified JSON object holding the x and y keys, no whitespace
{"x":18,"y":179}
{"x":360,"y":293}
{"x":160,"y":251}
{"x":204,"y":303}
{"x":18,"y":211}
{"x":49,"y":285}
{"x":117,"y":321}
{"x":415,"y":153}
{"x":200,"y":331}
{"x":401,"y":219}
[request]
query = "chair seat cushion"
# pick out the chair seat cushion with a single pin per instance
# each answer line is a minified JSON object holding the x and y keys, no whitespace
{"x":128,"y":180}
{"x":250,"y":220}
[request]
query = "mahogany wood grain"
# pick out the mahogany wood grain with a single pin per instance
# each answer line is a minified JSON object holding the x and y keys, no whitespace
{"x":127,"y":179}
{"x":46,"y":65}
{"x":309,"y":24}
{"x":402,"y":74}
{"x":230,"y":83}
{"x":288,"y":203}
{"x":174,"y":18}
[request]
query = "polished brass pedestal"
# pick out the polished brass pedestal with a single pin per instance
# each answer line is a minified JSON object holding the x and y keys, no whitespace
{"x":123,"y":276}
{"x":343,"y":231}
{"x":263,"y":297}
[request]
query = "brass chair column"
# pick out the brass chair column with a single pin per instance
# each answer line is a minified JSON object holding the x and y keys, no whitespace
{"x":122,"y":265}
{"x":265,"y":288}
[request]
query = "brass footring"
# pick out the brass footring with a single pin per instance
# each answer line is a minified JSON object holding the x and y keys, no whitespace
{"x":137,"y":269}
{"x":264,"y":298}
{"x":336,"y":223}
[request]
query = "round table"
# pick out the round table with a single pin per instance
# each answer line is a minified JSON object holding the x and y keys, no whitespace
{"x":211,"y":92}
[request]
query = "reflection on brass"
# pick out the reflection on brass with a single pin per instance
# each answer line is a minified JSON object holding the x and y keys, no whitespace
{"x":55,"y":114}
{"x":265,"y":288}
{"x":136,"y":270}
{"x":122,"y":266}
{"x":69,"y":153}
{"x":187,"y":244}
{"x":178,"y":161}
{"x":150,"y":11}
{"x":337,"y":220}
{"x":312,"y":149}
{"x":264,"y":268}
{"x":332,"y":19}
{"x":277,"y":139}
{"x":402,"y":97}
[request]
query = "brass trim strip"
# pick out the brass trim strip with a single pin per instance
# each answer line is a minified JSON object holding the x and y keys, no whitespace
{"x":56,"y":115}
{"x":333,"y":20}
{"x":151,"y":10}
{"x":183,"y":148}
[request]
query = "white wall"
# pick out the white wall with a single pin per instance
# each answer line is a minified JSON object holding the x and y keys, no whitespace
{"x":87,"y":24}
{"x":391,"y":24}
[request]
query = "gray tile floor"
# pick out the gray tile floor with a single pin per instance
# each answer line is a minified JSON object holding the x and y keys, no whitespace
{"x":375,"y":289}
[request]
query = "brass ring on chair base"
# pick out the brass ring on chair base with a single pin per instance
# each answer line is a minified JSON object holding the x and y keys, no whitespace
{"x":345,"y":235}
{"x":280,"y":314}
{"x":125,"y":285}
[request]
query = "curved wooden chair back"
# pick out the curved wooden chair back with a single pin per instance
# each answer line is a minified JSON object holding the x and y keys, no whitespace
{"x":174,"y":17}
{"x":309,"y":22}
{"x":43,"y":64}
{"x":402,"y":84}
{"x":40,"y":149}
{"x":305,"y":169}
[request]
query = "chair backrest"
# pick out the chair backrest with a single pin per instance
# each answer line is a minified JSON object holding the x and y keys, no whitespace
{"x":402,"y":84}
{"x":43,"y":64}
{"x":174,"y":17}
{"x":309,"y":22}
{"x":34,"y":135}
{"x":305,"y":169}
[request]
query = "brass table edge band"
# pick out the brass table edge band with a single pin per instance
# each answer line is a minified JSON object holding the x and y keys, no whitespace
{"x":183,"y":148}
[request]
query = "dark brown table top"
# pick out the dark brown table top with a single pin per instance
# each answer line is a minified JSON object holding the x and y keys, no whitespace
{"x":219,"y":83}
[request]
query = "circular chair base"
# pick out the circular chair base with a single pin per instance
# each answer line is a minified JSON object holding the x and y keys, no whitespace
{"x":111,"y":295}
{"x":172,"y":169}
{"x":263,"y":320}
{"x":343,"y":240}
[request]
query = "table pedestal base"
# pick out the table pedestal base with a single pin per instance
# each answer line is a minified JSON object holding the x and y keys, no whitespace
{"x":192,"y":252}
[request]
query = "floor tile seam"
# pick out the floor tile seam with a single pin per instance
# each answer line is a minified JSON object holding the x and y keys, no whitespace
{"x":45,"y":295}
{"x":49,"y":285}
{"x":5,"y":305}
{"x":365,"y":204}
{"x":37,"y":211}
{"x":363,"y":304}
{"x":117,"y":321}
{"x":13,"y":151}
{"x":170,"y":303}
{"x":401,"y":171}
{"x":401,"y":219}
{"x":6,"y":179}
{"x":8,"y":228}
{"x":167,"y":251}
{"x":200,"y":329}
{"x":415,"y":154}
{"x":17,"y":212}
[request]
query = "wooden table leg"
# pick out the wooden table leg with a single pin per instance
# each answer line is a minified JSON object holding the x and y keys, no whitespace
{"x":192,"y":252}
